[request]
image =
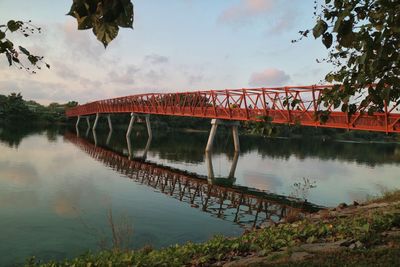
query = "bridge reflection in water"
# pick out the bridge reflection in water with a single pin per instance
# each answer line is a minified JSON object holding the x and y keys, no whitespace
{"x":245,"y":206}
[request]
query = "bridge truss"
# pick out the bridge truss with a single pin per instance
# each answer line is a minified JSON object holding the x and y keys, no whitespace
{"x":285,"y":105}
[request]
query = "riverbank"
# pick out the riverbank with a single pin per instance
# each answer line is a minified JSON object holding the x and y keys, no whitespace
{"x":366,"y":234}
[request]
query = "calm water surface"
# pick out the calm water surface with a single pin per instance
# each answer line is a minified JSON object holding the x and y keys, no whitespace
{"x":56,"y":190}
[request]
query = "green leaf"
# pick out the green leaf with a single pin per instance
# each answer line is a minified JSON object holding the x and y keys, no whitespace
{"x":104,"y":17}
{"x":327,"y":39}
{"x":346,"y":40}
{"x":320,"y":28}
{"x":85,"y":23}
{"x":125,"y":19}
{"x":8,"y":45}
{"x":371,"y":111}
{"x":352,"y":109}
{"x":15,"y":59}
{"x":23,"y":50}
{"x":2,"y":35}
{"x":105,"y":32}
{"x":33,"y":59}
{"x":14,"y":25}
{"x":9,"y":58}
{"x":345,"y":107}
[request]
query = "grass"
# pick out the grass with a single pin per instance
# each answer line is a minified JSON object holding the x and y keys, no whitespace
{"x":386,"y":196}
{"x":361,"y":257}
{"x":365,"y":227}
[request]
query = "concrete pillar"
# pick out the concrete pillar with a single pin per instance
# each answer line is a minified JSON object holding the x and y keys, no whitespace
{"x":95,"y":122}
{"x":128,"y":144}
{"x":146,"y":149}
{"x":109,"y":137}
{"x":94,"y":136}
{"x":87,"y":132}
{"x":210,"y":168}
{"x":128,"y":132}
{"x":77,"y":125}
{"x":213,"y":131}
{"x":235,"y":134}
{"x":88,"y":121}
{"x":109,"y":122}
{"x":233,"y":166}
{"x":77,"y":121}
{"x":148,"y":126}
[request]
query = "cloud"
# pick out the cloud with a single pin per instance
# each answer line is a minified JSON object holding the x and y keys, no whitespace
{"x":277,"y":16}
{"x":155,"y":77}
{"x":34,"y":89}
{"x":283,"y":23}
{"x":64,"y":71}
{"x":262,"y":181}
{"x":65,"y":205}
{"x":125,"y":77}
{"x":195,"y":79}
{"x":156,"y":59}
{"x":22,"y":173}
{"x":19,"y":199}
{"x":245,"y":11}
{"x":269,"y":77}
{"x":82,"y":44}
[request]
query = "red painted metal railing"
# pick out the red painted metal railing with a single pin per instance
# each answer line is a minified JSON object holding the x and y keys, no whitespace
{"x":284,"y":105}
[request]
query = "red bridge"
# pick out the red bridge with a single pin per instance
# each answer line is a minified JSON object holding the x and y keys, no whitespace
{"x":285,"y":105}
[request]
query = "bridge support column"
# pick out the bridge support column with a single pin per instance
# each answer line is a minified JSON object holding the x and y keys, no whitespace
{"x":210,"y":168}
{"x":233,"y":166}
{"x":128,"y":132}
{"x":235,"y":134}
{"x":149,"y":132}
{"x":109,"y":122}
{"x":77,"y":125}
{"x":94,"y":137}
{"x":95,"y":122}
{"x":148,"y":126}
{"x":213,"y":131}
{"x":109,"y":137}
{"x":88,"y":121}
{"x":128,"y":144}
{"x":77,"y":121}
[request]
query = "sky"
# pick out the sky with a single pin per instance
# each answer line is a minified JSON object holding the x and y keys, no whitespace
{"x":176,"y":45}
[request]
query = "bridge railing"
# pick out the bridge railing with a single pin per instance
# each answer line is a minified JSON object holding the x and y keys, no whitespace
{"x":285,"y":105}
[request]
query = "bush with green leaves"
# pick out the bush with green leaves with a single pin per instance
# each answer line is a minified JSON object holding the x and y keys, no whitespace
{"x":363,"y":42}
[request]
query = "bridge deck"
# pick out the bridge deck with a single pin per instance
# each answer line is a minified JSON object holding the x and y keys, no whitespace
{"x":285,"y":105}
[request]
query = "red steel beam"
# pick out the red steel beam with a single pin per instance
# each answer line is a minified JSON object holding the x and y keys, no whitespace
{"x":284,"y":105}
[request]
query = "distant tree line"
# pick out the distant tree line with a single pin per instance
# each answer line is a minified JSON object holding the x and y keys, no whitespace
{"x":14,"y":109}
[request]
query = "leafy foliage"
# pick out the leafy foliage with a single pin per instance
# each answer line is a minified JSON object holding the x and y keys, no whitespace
{"x":363,"y":40}
{"x":14,"y":109}
{"x":263,"y":127}
{"x":103,"y":16}
{"x":14,"y":55}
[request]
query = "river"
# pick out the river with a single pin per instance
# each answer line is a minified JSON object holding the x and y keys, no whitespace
{"x":58,"y":191}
